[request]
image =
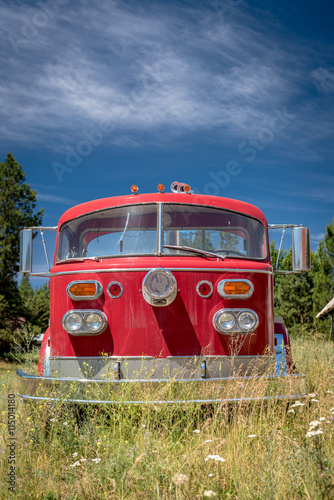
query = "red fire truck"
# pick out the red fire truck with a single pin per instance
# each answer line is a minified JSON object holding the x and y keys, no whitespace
{"x":160,"y":290}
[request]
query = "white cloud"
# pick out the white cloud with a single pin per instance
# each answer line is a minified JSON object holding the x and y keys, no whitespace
{"x":54,"y":199}
{"x":324,"y":79}
{"x":156,"y":72}
{"x":141,"y":69}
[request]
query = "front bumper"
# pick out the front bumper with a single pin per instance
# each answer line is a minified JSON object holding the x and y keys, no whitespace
{"x":163,"y":391}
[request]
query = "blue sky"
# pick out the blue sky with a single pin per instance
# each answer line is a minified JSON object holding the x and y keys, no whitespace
{"x":234,"y":97}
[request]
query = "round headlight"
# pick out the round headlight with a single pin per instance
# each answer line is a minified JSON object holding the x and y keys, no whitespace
{"x":224,"y":322}
{"x":73,"y":322}
{"x":94,"y":322}
{"x":247,"y":321}
{"x":159,"y":283}
{"x":159,"y":287}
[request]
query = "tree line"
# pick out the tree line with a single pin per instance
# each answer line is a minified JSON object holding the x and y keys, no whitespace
{"x":298,"y":298}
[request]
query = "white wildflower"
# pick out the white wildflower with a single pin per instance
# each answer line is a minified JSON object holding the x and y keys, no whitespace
{"x":314,"y":433}
{"x":314,"y":423}
{"x":65,"y":423}
{"x":53,"y":420}
{"x":323,"y":419}
{"x":180,"y":479}
{"x":252,"y":436}
{"x":76,"y":464}
{"x":329,"y":392}
{"x":314,"y":400}
{"x":83,"y":459}
{"x":297,"y":403}
{"x":217,"y":458}
{"x":196,"y":431}
{"x":208,"y":441}
{"x":96,"y":460}
{"x":291,"y":411}
{"x":209,"y":493}
{"x":75,"y":454}
{"x":312,"y":395}
{"x":211,"y":475}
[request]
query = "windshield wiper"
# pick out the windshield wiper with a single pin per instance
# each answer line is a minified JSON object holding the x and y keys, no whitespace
{"x":78,"y":259}
{"x":204,"y":253}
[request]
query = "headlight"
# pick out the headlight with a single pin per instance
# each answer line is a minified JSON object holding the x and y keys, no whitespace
{"x":94,"y":322}
{"x":73,"y":322}
{"x":225,"y":321}
{"x":159,"y":287}
{"x":85,"y":322}
{"x":247,"y":320}
{"x":239,"y":321}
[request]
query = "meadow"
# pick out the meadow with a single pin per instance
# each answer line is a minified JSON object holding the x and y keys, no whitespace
{"x":260,"y":450}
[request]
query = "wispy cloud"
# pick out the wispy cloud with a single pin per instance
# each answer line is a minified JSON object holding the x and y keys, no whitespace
{"x":54,"y":199}
{"x":142,"y":69}
{"x":324,"y":79}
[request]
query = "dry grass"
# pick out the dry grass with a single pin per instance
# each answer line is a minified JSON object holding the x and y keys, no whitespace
{"x":262,"y":450}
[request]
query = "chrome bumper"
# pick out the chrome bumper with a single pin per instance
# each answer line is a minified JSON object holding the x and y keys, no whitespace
{"x":164,"y":391}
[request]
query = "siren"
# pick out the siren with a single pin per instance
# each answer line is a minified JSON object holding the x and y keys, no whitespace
{"x":174,"y":187}
{"x":180,"y":187}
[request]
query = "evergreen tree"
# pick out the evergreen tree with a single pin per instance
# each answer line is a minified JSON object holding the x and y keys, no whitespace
{"x":17,"y":206}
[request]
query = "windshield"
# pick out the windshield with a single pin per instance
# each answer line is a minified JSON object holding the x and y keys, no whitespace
{"x":134,"y":230}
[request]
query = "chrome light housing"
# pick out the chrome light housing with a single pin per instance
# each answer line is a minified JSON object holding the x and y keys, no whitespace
{"x":85,"y":322}
{"x":241,"y":321}
{"x":84,"y":290}
{"x":159,"y":287}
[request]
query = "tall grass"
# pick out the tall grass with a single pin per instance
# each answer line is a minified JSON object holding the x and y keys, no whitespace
{"x":262,"y":450}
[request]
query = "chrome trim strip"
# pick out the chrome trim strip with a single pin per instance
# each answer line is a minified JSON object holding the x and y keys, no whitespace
{"x":283,"y":226}
{"x":50,"y":382}
{"x":43,"y":228}
{"x":125,"y":358}
{"x":176,"y":401}
{"x":160,"y":237}
{"x":24,"y":375}
{"x":174,"y":269}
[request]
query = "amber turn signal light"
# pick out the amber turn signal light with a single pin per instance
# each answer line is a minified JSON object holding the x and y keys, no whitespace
{"x":134,"y":189}
{"x":83,"y":289}
{"x":236,"y":287}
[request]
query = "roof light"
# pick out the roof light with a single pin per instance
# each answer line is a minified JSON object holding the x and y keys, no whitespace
{"x":134,"y":188}
{"x":174,"y":186}
{"x":161,"y":188}
{"x":187,"y":188}
{"x":235,"y":289}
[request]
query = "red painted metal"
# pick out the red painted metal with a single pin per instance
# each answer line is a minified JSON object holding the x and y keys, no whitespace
{"x":182,"y":328}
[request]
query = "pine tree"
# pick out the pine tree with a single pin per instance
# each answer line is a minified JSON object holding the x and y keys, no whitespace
{"x":17,"y":206}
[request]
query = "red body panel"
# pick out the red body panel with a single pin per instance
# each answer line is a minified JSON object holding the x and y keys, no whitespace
{"x":182,"y":328}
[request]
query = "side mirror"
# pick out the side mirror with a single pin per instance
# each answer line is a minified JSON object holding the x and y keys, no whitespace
{"x":301,"y":249}
{"x":26,"y":251}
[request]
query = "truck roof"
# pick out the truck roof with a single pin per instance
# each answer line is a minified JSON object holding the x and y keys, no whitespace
{"x":183,"y":198}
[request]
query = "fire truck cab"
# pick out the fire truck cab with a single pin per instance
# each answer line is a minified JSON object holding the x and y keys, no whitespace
{"x":147,"y":288}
